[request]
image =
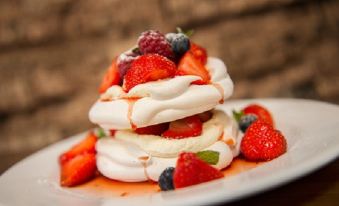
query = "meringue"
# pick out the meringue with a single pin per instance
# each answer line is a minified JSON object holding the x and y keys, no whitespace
{"x":126,"y":158}
{"x":162,"y":101}
{"x":158,"y":146}
{"x":131,"y":157}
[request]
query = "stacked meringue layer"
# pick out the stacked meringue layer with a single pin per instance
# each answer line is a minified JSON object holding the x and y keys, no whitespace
{"x":132,"y":157}
{"x":163,"y":100}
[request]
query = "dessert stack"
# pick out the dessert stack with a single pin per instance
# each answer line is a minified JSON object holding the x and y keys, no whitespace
{"x":158,"y":118}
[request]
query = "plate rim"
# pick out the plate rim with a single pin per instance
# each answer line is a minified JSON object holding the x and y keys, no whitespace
{"x":261,"y":186}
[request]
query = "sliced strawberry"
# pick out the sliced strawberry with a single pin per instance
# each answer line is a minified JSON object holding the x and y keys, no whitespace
{"x":87,"y":145}
{"x":190,"y":170}
{"x":189,"y":65}
{"x":182,"y":128}
{"x":199,"y":53}
{"x":78,"y":170}
{"x":157,"y":129}
{"x":112,"y":132}
{"x":205,"y":116}
{"x":148,"y":67}
{"x":260,"y":112}
{"x":111,"y":77}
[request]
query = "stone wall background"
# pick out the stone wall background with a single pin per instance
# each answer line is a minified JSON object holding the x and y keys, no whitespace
{"x":53,"y":54}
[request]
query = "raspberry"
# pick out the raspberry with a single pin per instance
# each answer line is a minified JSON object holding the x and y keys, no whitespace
{"x":154,"y":42}
{"x":124,"y":62}
{"x":262,"y":142}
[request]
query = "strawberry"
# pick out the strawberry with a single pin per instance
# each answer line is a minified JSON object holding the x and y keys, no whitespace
{"x":260,"y":112}
{"x":111,"y":77}
{"x":205,"y":116}
{"x":78,"y":170}
{"x":85,"y":146}
{"x":182,"y":128}
{"x":262,"y":142}
{"x":189,"y":65}
{"x":190,"y":170}
{"x":112,"y":132}
{"x":148,"y":67}
{"x":199,"y":53}
{"x":157,"y":129}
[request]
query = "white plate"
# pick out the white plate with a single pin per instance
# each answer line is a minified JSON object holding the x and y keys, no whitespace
{"x":311,"y":129}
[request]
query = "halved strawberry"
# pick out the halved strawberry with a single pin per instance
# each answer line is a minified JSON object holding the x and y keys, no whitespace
{"x":157,"y":129}
{"x":112,"y":132}
{"x":148,"y":67}
{"x":111,"y":77}
{"x":182,"y":128}
{"x":87,"y":145}
{"x":199,"y":53}
{"x":190,"y":170}
{"x":189,"y":65}
{"x":260,"y":111}
{"x":205,"y":116}
{"x":78,"y":170}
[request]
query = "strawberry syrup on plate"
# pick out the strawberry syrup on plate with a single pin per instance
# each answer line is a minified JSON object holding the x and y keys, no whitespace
{"x":220,"y":90}
{"x":131,"y":102}
{"x":104,"y":186}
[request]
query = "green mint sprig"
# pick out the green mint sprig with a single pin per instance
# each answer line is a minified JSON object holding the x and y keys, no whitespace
{"x":237,"y":115}
{"x":101,"y":133}
{"x":188,"y":33}
{"x":209,"y":156}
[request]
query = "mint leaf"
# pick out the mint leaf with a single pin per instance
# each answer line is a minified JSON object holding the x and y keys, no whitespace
{"x":179,"y":30}
{"x":237,"y":115}
{"x":101,"y":133}
{"x":209,"y":156}
{"x":188,"y":33}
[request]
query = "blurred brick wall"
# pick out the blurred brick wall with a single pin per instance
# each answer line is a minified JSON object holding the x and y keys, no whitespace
{"x":53,"y":54}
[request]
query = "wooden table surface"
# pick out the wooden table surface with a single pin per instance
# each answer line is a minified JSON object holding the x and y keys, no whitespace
{"x":318,"y":188}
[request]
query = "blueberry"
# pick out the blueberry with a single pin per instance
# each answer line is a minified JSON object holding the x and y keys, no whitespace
{"x":180,"y":44}
{"x":170,"y":37}
{"x":246,"y":120}
{"x":166,"y":179}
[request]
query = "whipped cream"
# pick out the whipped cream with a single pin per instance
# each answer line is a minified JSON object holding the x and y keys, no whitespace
{"x":162,"y":101}
{"x":158,"y":146}
{"x":126,"y":158}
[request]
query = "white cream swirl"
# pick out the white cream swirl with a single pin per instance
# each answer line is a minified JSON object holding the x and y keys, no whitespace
{"x":158,"y":146}
{"x":164,"y":100}
{"x":125,"y":159}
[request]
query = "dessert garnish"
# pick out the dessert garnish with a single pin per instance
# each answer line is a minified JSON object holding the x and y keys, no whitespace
{"x":262,"y":142}
{"x":78,"y":164}
{"x":158,"y":120}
